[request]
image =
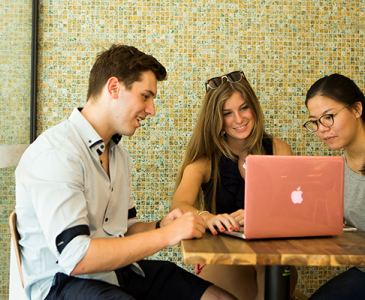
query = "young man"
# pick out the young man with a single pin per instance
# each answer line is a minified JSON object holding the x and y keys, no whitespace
{"x":79,"y":232}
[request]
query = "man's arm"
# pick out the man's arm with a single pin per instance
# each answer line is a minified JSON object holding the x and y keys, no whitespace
{"x":105,"y":255}
{"x":140,"y":227}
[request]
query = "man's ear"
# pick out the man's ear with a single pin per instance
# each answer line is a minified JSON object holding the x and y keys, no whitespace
{"x":114,"y":86}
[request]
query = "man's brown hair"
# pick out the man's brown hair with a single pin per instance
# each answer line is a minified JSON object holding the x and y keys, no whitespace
{"x":125,"y":63}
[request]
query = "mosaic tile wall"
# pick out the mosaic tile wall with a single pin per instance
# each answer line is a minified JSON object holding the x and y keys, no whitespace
{"x":15,"y":51}
{"x":282,"y":46}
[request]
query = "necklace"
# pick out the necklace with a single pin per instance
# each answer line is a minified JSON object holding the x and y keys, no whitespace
{"x":244,"y":163}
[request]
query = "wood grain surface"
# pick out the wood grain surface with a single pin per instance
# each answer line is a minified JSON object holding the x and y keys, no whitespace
{"x":347,"y":249}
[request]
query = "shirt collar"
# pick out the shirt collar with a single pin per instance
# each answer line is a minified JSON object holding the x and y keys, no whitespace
{"x":116,"y":138}
{"x":88,"y":134}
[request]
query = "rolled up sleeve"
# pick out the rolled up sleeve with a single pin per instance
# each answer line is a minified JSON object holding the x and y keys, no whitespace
{"x":73,"y":253}
{"x":55,"y":182}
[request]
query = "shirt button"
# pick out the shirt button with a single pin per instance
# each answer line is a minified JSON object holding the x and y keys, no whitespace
{"x":102,"y":146}
{"x":106,"y":219}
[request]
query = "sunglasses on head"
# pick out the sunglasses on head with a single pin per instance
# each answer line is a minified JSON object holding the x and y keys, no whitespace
{"x":216,"y":82}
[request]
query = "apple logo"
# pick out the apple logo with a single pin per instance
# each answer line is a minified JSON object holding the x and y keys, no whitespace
{"x":296,"y":196}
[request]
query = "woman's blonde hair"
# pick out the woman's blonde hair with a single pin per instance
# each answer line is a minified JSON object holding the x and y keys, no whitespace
{"x":208,"y":138}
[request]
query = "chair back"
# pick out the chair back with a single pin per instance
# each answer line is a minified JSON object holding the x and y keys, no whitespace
{"x":15,"y":237}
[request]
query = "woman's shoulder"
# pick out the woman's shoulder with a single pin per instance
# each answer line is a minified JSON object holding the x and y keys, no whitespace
{"x":281,"y":147}
{"x":201,"y":165}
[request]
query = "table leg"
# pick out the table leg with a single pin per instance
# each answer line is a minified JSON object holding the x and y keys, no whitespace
{"x":277,"y":282}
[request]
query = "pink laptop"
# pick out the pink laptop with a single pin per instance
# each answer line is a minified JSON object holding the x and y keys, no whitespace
{"x":293,"y":196}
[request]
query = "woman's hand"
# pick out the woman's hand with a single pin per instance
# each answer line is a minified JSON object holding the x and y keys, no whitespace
{"x":220,"y":222}
{"x":239,"y":216}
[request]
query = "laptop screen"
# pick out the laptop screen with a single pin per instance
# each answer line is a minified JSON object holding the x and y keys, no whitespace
{"x":293,"y":196}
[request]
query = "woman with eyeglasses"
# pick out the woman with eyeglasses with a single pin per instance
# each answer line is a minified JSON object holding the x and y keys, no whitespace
{"x":336,"y":111}
{"x":230,"y":126}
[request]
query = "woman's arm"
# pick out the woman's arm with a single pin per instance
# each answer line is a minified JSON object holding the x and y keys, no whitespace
{"x":194,"y":175}
{"x":186,"y":194}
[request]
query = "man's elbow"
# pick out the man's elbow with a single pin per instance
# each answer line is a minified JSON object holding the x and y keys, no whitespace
{"x":80,"y":269}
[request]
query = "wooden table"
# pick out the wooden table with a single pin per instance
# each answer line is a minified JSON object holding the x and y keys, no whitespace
{"x":345,"y":250}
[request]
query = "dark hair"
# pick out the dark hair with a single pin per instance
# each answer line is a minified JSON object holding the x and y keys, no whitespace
{"x":125,"y":63}
{"x":340,"y":89}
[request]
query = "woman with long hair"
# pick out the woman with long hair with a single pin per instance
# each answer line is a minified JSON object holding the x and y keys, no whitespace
{"x":211,"y":180}
{"x":336,"y":112}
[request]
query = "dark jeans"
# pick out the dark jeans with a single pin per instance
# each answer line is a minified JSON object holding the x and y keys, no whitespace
{"x":349,"y":285}
{"x":163,"y":280}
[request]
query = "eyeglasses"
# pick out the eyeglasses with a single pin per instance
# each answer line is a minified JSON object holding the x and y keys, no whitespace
{"x":216,"y":82}
{"x":326,"y":120}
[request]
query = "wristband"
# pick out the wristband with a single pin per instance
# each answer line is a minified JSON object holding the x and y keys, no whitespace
{"x":200,"y":212}
{"x":158,"y":224}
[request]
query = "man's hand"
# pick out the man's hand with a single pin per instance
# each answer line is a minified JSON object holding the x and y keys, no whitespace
{"x":179,"y":226}
{"x":176,"y":213}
